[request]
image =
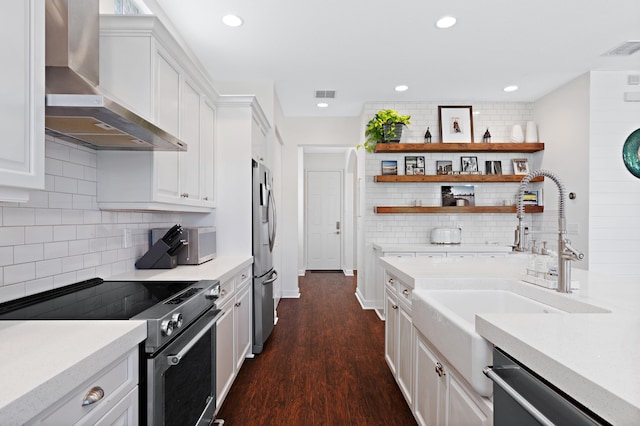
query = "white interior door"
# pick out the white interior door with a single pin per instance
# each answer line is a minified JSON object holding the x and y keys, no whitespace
{"x":324,"y":227}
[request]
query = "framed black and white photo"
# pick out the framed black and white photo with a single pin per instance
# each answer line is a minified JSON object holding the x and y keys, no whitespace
{"x":444,"y":167}
{"x":468,"y":164}
{"x":520,"y":166}
{"x":458,"y":195}
{"x":493,"y":167}
{"x":413,"y":165}
{"x":456,"y":124}
{"x":389,"y":167}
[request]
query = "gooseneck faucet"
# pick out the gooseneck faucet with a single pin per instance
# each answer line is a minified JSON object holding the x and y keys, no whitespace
{"x":566,"y":253}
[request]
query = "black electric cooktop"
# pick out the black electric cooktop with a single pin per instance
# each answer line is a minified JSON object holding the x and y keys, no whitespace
{"x":93,"y":299}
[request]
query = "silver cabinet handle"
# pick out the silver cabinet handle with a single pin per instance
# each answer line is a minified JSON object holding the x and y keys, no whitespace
{"x":237,"y":305}
{"x":390,"y":281}
{"x":94,"y":395}
{"x":405,"y":291}
{"x":243,"y":276}
{"x":488,"y":371}
{"x":440,"y":370}
{"x":394,"y":306}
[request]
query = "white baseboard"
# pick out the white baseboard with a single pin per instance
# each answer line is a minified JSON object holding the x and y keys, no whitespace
{"x":290,"y":295}
{"x":348,"y":272}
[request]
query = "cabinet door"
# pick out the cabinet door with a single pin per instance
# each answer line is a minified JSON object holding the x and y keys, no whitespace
{"x":405,"y":338}
{"x":208,"y":123}
{"x":190,"y":133}
{"x":430,"y":388}
{"x":167,"y":107}
{"x":390,"y":327}
{"x":224,"y":353}
{"x":21,"y":103}
{"x":243,"y":324}
{"x":462,"y":409}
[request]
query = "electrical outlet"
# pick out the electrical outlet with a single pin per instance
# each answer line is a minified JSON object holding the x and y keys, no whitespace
{"x":126,"y":238}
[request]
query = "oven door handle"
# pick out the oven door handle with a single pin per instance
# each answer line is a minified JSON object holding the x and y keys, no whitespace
{"x":175,"y":359}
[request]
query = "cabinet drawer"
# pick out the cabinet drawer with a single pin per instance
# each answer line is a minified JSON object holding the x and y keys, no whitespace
{"x":115,"y":381}
{"x":404,"y":293}
{"x":226,"y":289}
{"x":244,"y":277}
{"x":431,"y":254}
{"x":399,"y":254}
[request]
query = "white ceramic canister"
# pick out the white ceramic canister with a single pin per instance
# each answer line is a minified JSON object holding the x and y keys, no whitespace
{"x":531,"y":133}
{"x":517,"y":135}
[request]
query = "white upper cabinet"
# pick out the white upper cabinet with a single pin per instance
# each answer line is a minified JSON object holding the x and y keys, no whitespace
{"x":142,"y":66}
{"x":22,"y":100}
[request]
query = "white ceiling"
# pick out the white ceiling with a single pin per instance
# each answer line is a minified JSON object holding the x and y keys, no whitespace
{"x":364,"y":48}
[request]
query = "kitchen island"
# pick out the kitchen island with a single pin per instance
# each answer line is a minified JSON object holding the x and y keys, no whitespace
{"x":592,"y":357}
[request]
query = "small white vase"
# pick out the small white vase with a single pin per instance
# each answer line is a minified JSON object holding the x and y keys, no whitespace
{"x":517,"y":135}
{"x":531,"y":133}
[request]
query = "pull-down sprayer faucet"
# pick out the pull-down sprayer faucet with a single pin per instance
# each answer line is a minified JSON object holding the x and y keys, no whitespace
{"x":566,"y":253}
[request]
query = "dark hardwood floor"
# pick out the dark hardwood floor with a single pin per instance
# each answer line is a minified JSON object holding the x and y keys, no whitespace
{"x":323,"y":365}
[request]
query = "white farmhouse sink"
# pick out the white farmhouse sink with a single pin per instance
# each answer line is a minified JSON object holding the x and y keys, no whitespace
{"x":447,"y":319}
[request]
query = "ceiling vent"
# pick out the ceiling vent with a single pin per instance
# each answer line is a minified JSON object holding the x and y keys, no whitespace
{"x":625,"y":49}
{"x":325,"y":94}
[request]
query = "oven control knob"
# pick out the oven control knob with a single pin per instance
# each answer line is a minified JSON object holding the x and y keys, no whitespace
{"x":166,"y":327}
{"x":177,"y":320}
{"x":213,"y":293}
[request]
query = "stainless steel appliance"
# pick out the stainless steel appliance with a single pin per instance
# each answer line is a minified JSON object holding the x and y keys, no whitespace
{"x":177,"y":383}
{"x":75,"y":108}
{"x":522,"y":398}
{"x":264,"y":236}
{"x":200,"y":244}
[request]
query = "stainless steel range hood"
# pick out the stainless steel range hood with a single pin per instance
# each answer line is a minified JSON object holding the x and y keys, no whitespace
{"x":75,"y":110}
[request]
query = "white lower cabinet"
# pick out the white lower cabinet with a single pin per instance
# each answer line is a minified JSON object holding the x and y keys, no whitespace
{"x":118,"y":405}
{"x":233,"y":331}
{"x":441,"y":396}
{"x":399,"y":335}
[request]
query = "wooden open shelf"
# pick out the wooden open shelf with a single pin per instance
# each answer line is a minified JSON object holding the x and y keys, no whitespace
{"x":525,"y":147}
{"x":453,"y":178}
{"x":455,"y":209}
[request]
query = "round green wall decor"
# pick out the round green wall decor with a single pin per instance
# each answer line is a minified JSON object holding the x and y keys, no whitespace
{"x":631,"y":153}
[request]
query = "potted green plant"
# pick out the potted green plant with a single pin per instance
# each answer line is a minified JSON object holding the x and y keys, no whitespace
{"x":385,"y":126}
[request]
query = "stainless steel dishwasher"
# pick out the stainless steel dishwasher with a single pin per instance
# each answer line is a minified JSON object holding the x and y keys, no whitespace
{"x":522,"y":398}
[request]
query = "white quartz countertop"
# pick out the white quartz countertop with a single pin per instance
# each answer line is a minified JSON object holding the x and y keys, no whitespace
{"x":44,"y":360}
{"x":593,"y":357}
{"x":441,"y":248}
{"x":220,"y":268}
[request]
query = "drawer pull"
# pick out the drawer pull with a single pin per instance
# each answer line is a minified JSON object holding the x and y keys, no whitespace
{"x":223,"y":292}
{"x":243,"y":276}
{"x":405,"y":291}
{"x":390,"y":280}
{"x":394,"y":306}
{"x":94,"y":395}
{"x":238,"y":304}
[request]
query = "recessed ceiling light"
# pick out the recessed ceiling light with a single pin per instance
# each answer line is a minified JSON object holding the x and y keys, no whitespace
{"x":402,"y":88}
{"x":446,"y":22}
{"x":322,"y":105}
{"x":510,"y":88}
{"x":232,"y":20}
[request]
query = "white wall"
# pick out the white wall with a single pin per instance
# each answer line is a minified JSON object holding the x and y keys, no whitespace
{"x":59,"y":236}
{"x":563,"y":121}
{"x":614,"y":228}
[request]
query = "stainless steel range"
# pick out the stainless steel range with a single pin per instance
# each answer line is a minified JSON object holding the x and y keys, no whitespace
{"x":177,"y":383}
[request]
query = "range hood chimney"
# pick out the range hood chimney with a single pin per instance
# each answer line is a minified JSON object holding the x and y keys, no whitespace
{"x":75,"y":110}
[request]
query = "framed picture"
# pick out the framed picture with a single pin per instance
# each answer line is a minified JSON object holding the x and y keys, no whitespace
{"x":459,"y":195}
{"x":389,"y":167}
{"x":520,"y":166}
{"x":468,"y":164}
{"x":413,"y":165}
{"x":456,"y":124}
{"x":493,"y":167}
{"x":444,"y":167}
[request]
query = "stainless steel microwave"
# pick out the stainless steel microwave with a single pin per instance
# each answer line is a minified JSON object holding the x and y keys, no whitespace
{"x":201,"y":247}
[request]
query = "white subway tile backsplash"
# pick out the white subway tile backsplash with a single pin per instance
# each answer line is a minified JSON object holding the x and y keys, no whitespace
{"x":38,"y":286}
{"x":15,"y":216}
{"x":10,"y":292}
{"x":72,"y":263}
{"x":46,"y":268}
{"x":55,"y":250}
{"x":48,"y":216}
{"x":28,"y":253}
{"x":6,"y":256}
{"x":11,"y":236}
{"x":38,"y":234}
{"x":14,"y":274}
{"x":64,"y":233}
{"x":73,"y":171}
{"x":60,"y":201}
{"x":66,"y":185}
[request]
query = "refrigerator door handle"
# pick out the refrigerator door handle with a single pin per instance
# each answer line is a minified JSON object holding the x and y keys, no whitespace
{"x":272,"y":279}
{"x":271,"y":219}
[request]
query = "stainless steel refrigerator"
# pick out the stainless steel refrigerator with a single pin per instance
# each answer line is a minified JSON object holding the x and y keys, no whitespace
{"x":264,"y":236}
